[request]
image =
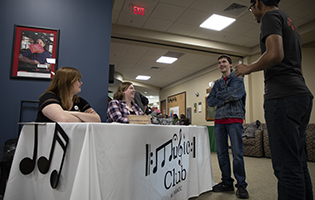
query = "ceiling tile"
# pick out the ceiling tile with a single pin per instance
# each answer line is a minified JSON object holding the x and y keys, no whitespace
{"x":254,"y":32}
{"x":118,"y":5}
{"x":201,"y":33}
{"x":181,"y":29}
{"x":115,"y":15}
{"x":212,"y":7}
{"x":128,"y":19}
{"x":193,"y":17}
{"x":184,"y":3}
{"x":239,"y":27}
{"x":157,"y":24}
{"x":157,"y":51}
{"x":242,"y":40}
{"x":137,"y":49}
{"x":222,"y":36}
{"x":167,"y":12}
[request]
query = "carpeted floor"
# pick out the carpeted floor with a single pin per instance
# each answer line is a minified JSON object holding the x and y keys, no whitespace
{"x":262,"y":184}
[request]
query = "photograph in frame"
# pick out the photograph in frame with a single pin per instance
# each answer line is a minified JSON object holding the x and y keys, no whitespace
{"x":35,"y":52}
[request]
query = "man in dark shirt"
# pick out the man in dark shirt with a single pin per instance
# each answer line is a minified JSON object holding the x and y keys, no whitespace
{"x":287,"y":100}
{"x":141,"y":101}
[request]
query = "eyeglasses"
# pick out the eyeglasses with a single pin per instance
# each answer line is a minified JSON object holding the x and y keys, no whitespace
{"x":250,"y":7}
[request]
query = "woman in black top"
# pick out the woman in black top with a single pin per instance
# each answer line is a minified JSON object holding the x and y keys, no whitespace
{"x":60,"y":102}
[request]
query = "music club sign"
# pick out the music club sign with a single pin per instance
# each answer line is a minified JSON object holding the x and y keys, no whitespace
{"x":169,"y":162}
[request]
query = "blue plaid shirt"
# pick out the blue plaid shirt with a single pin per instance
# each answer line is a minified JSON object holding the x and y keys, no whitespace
{"x":117,"y":111}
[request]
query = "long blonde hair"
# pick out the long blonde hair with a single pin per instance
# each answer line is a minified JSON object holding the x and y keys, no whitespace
{"x":61,"y":84}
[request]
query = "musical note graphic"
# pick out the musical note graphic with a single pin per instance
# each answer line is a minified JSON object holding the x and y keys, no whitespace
{"x":193,"y":144}
{"x":182,"y":149}
{"x":148,"y":161}
{"x":156,"y":155}
{"x":179,"y":148}
{"x":27,"y":165}
{"x":44,"y":163}
{"x":173,"y":150}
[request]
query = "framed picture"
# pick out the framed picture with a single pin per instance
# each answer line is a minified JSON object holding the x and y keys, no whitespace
{"x":34,"y":52}
{"x":210,"y":111}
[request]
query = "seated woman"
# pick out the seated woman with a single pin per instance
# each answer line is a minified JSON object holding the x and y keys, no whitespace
{"x":122,"y":104}
{"x":175,"y":119}
{"x":60,"y":102}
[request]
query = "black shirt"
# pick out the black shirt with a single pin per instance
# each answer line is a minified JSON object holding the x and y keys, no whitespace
{"x":50,"y":98}
{"x":284,"y":79}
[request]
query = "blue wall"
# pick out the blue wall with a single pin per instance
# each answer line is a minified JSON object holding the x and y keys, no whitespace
{"x":85,"y":30}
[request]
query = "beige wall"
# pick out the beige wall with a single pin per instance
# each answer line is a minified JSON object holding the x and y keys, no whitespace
{"x":254,"y":85}
{"x":255,"y":94}
{"x":199,"y":84}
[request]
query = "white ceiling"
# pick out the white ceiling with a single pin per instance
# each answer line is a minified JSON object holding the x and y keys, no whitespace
{"x":173,"y":25}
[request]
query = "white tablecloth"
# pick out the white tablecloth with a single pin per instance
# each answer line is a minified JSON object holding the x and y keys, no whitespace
{"x":114,"y":162}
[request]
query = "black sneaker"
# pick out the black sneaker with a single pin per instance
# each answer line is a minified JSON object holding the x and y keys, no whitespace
{"x":242,"y":193}
{"x":222,"y":187}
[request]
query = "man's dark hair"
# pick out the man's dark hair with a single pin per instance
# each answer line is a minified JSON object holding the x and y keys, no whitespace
{"x":227,"y":57}
{"x":268,"y":2}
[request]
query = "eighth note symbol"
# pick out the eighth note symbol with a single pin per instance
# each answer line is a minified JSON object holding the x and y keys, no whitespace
{"x":27,"y":165}
{"x":44,"y":163}
{"x":163,"y":146}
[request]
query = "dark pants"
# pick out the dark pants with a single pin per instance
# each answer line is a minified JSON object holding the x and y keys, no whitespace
{"x":286,"y":123}
{"x":235,"y":131}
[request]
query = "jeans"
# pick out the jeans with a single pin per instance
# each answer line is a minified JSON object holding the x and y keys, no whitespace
{"x":286,"y":123}
{"x":235,"y":131}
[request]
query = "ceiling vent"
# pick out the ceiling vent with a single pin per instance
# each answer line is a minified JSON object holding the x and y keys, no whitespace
{"x":155,"y":68}
{"x":173,"y":54}
{"x":235,"y":9}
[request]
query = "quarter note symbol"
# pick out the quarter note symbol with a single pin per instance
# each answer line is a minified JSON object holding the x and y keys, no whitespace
{"x":27,"y":165}
{"x":44,"y":163}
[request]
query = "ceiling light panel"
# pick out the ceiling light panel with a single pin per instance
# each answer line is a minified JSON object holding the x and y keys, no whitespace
{"x":142,"y":77}
{"x":217,"y":22}
{"x":166,"y":60}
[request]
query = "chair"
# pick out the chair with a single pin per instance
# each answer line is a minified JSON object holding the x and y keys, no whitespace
{"x":254,"y":146}
{"x":28,"y":112}
{"x":310,"y":142}
{"x":6,"y":162}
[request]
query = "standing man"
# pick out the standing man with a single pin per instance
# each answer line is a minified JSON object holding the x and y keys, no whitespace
{"x":141,"y":101}
{"x":287,"y":100}
{"x":228,"y":95}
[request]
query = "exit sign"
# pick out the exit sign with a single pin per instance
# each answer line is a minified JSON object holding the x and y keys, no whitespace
{"x":137,"y":10}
